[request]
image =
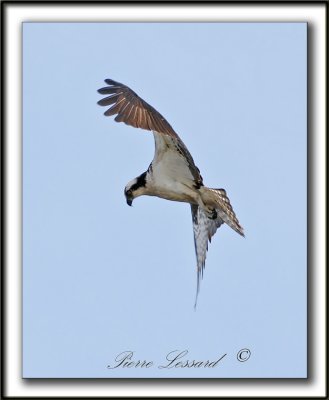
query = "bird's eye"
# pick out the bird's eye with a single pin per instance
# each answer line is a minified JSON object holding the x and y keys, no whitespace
{"x":129,"y":192}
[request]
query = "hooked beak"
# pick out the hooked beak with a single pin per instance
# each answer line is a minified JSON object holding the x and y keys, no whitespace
{"x":129,"y":201}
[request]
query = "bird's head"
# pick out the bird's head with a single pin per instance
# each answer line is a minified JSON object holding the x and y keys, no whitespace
{"x":135,"y":188}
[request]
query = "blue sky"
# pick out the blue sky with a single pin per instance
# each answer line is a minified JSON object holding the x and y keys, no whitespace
{"x":100,"y":277}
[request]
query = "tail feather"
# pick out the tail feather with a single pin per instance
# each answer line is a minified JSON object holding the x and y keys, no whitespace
{"x":220,"y":201}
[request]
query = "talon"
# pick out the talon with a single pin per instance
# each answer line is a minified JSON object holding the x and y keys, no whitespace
{"x":212,"y":213}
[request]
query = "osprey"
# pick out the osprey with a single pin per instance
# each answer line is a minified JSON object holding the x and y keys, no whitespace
{"x":172,"y":174}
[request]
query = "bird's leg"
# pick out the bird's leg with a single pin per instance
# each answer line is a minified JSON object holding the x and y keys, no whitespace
{"x":212,"y":213}
{"x":202,"y":199}
{"x":209,"y":209}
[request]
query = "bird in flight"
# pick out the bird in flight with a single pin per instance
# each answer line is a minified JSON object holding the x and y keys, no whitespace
{"x":172,"y":174}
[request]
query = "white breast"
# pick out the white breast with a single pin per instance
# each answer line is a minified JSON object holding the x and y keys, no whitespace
{"x":171,"y":177}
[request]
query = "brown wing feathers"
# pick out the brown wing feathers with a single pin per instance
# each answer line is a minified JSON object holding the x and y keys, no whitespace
{"x":132,"y":110}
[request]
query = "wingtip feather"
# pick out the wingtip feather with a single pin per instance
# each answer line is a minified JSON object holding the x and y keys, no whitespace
{"x":109,"y":81}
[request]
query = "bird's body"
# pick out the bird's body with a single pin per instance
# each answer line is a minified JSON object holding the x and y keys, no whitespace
{"x":172,"y":174}
{"x":169,"y":174}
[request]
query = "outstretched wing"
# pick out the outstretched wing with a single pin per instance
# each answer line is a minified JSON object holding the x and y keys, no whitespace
{"x":134,"y":111}
{"x":203,"y":229}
